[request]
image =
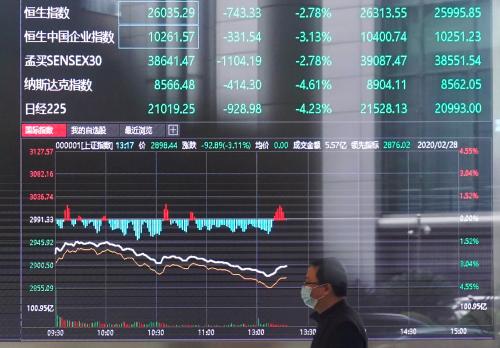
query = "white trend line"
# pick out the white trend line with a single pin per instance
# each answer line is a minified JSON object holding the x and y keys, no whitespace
{"x":169,"y":257}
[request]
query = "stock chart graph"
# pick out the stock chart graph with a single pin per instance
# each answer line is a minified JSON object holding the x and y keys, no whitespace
{"x":200,"y":244}
{"x":122,"y":253}
{"x":181,"y":163}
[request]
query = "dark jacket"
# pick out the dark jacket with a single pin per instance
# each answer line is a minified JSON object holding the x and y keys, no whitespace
{"x":339,"y":327}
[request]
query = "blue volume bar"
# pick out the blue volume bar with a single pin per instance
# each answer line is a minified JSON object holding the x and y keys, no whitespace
{"x":234,"y":224}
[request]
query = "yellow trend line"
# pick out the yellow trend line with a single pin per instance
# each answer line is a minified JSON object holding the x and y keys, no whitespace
{"x":142,"y":265}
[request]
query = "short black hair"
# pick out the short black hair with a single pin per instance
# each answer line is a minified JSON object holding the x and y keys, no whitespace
{"x":330,"y":271}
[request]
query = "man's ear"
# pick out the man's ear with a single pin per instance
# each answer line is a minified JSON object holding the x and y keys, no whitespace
{"x":329,"y":288}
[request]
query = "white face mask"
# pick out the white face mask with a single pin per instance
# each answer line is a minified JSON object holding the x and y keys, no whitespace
{"x":305,"y":293}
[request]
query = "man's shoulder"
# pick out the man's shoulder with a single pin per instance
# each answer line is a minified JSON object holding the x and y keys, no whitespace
{"x":345,"y":313}
{"x":346,"y":323}
{"x":347,"y":326}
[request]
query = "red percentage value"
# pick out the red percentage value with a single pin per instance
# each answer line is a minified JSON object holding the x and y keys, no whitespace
{"x":469,"y":196}
{"x":469,"y":151}
{"x":469,"y":172}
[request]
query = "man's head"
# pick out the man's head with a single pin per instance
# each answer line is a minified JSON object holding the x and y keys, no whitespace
{"x":327,"y":281}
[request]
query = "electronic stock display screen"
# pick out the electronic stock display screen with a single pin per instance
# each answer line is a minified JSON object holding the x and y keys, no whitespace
{"x":181,"y":163}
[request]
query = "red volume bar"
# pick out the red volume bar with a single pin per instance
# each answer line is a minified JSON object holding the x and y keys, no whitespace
{"x":166,"y":214}
{"x":279,"y":215}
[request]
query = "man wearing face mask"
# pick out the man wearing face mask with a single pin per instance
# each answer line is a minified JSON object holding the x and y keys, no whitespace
{"x":324,"y":291}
